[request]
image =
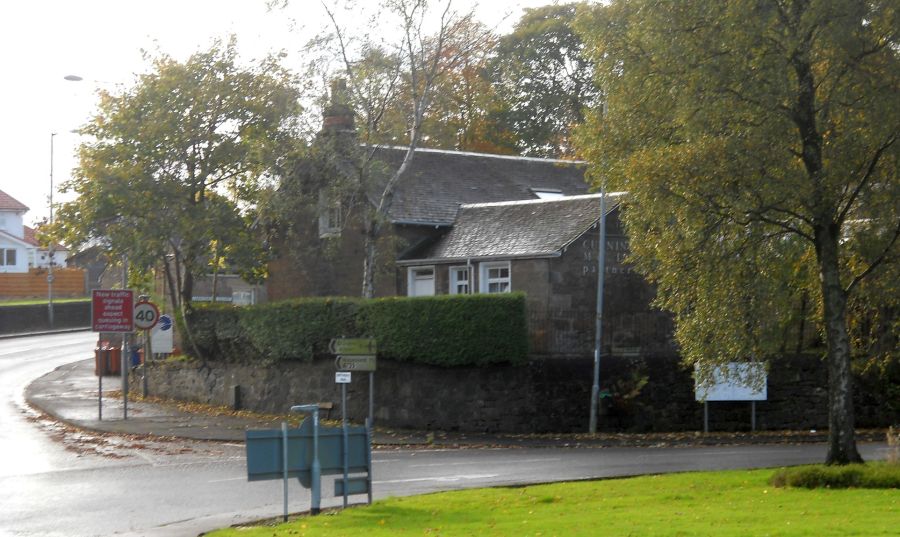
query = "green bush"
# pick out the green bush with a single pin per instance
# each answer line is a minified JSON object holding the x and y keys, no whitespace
{"x":444,"y":330}
{"x":298,"y":329}
{"x":874,"y":475}
{"x":449,"y":330}
{"x":216,"y":329}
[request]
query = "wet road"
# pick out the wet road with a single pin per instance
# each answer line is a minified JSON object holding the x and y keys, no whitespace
{"x":58,"y":481}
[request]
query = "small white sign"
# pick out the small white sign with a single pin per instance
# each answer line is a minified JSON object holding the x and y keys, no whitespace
{"x":342,"y":377}
{"x":733,"y":382}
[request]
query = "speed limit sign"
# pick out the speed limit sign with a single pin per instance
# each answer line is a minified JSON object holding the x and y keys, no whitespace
{"x":146,"y":315}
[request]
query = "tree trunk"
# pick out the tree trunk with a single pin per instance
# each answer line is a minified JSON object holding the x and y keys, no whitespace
{"x":371,"y":237}
{"x":841,"y":434}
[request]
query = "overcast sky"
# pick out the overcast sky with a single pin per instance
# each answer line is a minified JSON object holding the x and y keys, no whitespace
{"x":42,"y":41}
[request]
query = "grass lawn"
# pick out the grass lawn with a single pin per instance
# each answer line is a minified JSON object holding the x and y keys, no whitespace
{"x":734,"y":503}
{"x":38,"y":301}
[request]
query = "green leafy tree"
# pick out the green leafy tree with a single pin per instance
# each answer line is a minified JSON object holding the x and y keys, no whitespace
{"x":390,"y":91}
{"x":170,"y":173}
{"x":543,"y":81}
{"x":758,"y":142}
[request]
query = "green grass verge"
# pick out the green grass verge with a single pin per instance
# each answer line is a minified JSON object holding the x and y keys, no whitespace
{"x":39,"y":301}
{"x":735,"y":503}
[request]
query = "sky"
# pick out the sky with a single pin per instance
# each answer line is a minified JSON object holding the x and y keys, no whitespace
{"x":101,"y":41}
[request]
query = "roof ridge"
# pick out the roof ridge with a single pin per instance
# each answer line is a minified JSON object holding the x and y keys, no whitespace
{"x":486,"y":155}
{"x":537,"y":201}
{"x":10,"y":203}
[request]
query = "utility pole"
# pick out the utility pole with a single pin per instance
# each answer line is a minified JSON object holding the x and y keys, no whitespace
{"x":598,"y":332}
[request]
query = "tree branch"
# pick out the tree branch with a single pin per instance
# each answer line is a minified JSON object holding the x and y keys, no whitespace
{"x":878,"y":260}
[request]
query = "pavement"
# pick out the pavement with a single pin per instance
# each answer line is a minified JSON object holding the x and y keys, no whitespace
{"x":70,"y":394}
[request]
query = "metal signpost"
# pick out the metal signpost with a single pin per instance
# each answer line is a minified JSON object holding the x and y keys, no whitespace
{"x":357,"y":354}
{"x":146,"y":315}
{"x":735,"y":381}
{"x":308,"y":453}
{"x":111,"y":311}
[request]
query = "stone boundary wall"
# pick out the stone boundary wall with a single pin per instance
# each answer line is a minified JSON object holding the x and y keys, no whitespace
{"x":34,"y":318}
{"x":545,"y":395}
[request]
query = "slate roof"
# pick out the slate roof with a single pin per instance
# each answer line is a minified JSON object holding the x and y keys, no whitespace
{"x":439,"y":181}
{"x":9,"y":203}
{"x":533,"y":228}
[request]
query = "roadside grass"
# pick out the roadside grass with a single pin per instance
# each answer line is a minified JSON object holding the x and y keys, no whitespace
{"x":40,"y":301}
{"x":722,"y":504}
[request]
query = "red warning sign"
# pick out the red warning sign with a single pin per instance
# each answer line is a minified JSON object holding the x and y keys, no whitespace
{"x":112,"y":310}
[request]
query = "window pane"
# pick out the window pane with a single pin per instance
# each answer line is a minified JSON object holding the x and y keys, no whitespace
{"x":10,"y":257}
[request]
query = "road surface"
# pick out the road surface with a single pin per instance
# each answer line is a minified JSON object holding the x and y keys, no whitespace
{"x":57,"y":481}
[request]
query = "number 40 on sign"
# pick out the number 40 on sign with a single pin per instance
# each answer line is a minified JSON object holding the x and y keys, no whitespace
{"x":146,"y":315}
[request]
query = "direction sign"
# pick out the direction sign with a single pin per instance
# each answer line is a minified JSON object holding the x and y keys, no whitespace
{"x":146,"y":315}
{"x":355,"y":363}
{"x":342,"y":377}
{"x":352,"y":346}
{"x":111,"y":310}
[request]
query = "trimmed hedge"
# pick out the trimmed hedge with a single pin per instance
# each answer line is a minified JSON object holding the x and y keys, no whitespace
{"x":444,"y":330}
{"x":450,"y":330}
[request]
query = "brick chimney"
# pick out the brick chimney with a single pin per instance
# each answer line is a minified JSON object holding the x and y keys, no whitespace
{"x":338,"y":116}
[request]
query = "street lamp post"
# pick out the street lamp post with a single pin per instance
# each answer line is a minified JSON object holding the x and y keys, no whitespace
{"x":598,"y":329}
{"x":50,"y":247}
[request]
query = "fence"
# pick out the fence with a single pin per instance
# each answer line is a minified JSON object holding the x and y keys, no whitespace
{"x":67,"y":282}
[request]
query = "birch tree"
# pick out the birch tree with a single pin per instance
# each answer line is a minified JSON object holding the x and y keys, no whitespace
{"x":758,"y":140}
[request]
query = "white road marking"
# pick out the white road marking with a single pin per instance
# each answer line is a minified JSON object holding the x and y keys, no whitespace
{"x":439,"y":479}
{"x":229,"y":479}
{"x":522,"y":461}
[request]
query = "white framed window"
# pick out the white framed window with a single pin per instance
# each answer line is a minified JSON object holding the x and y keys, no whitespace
{"x":8,"y":257}
{"x":420,"y":281}
{"x":495,"y":277}
{"x":460,"y":283}
{"x":329,"y":216}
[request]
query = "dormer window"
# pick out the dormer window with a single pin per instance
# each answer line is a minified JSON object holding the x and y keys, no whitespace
{"x":547,"y":193}
{"x":329,"y":216}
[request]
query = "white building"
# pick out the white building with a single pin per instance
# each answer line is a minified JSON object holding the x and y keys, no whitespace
{"x":19,"y":248}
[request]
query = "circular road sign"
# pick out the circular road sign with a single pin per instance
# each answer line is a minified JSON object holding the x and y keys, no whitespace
{"x":146,"y":315}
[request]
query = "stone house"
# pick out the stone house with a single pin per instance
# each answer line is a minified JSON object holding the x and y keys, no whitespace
{"x":477,"y":223}
{"x":326,"y":258}
{"x":546,"y":248}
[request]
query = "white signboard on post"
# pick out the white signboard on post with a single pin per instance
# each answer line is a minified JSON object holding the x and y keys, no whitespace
{"x":162,"y":336}
{"x":736,"y":381}
{"x":342,"y":377}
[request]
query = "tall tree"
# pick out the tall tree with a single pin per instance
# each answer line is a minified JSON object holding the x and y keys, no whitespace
{"x":543,"y":81}
{"x":758,"y":141}
{"x":392,"y":81}
{"x":170,"y":173}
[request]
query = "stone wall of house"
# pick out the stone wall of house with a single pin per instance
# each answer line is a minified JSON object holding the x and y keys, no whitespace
{"x":34,"y":318}
{"x":333,"y":266}
{"x":546,"y":395}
